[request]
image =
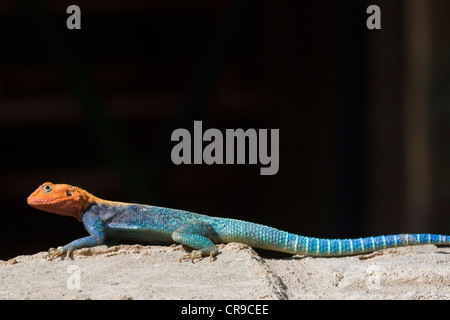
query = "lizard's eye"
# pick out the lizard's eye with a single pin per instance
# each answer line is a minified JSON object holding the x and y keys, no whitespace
{"x":47,"y":188}
{"x":68,"y":193}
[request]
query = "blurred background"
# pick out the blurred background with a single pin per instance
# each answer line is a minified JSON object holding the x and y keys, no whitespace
{"x":364,"y":115}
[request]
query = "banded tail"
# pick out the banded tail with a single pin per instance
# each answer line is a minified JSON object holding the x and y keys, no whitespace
{"x":345,"y":247}
{"x":264,"y":237}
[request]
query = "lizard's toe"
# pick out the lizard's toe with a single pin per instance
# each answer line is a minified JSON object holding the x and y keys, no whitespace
{"x":196,"y":254}
{"x":54,"y":253}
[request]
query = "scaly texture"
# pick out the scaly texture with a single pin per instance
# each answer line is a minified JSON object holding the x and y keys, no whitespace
{"x":144,"y":223}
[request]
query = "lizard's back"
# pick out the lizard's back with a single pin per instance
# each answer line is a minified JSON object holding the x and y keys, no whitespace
{"x":145,"y":223}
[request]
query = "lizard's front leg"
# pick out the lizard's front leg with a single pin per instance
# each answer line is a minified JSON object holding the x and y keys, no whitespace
{"x":94,"y":225}
{"x":196,"y":235}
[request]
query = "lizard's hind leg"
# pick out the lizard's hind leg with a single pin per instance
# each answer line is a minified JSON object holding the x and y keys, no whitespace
{"x":196,"y":235}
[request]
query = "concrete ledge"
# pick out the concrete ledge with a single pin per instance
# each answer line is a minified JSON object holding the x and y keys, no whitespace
{"x":238,"y":272}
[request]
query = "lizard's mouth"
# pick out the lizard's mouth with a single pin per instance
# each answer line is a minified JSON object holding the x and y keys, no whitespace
{"x":38,"y":198}
{"x":42,"y":203}
{"x":62,"y":206}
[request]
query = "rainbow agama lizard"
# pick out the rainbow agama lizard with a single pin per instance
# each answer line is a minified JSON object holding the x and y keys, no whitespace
{"x":152,"y":224}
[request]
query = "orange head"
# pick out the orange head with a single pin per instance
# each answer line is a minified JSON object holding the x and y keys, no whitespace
{"x":62,"y":199}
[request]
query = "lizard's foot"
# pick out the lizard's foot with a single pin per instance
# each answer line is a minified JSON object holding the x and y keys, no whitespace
{"x":196,"y":254}
{"x":55,"y":253}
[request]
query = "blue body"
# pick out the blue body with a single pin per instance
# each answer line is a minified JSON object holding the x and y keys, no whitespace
{"x":152,"y":224}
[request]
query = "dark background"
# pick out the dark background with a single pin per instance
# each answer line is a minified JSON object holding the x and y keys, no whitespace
{"x":364,"y":115}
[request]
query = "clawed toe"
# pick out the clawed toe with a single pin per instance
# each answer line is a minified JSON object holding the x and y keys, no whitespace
{"x":192,"y":256}
{"x":53,"y":253}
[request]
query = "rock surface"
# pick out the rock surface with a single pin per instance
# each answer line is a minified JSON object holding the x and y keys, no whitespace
{"x":238,"y":272}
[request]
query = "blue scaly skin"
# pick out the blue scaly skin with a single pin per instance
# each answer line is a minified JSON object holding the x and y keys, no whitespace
{"x":150,"y":224}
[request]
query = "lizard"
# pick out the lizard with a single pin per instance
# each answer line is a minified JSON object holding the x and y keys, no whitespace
{"x":151,"y":224}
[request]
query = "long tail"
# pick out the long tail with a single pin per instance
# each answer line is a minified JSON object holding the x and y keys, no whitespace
{"x":344,"y":247}
{"x":264,"y":237}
